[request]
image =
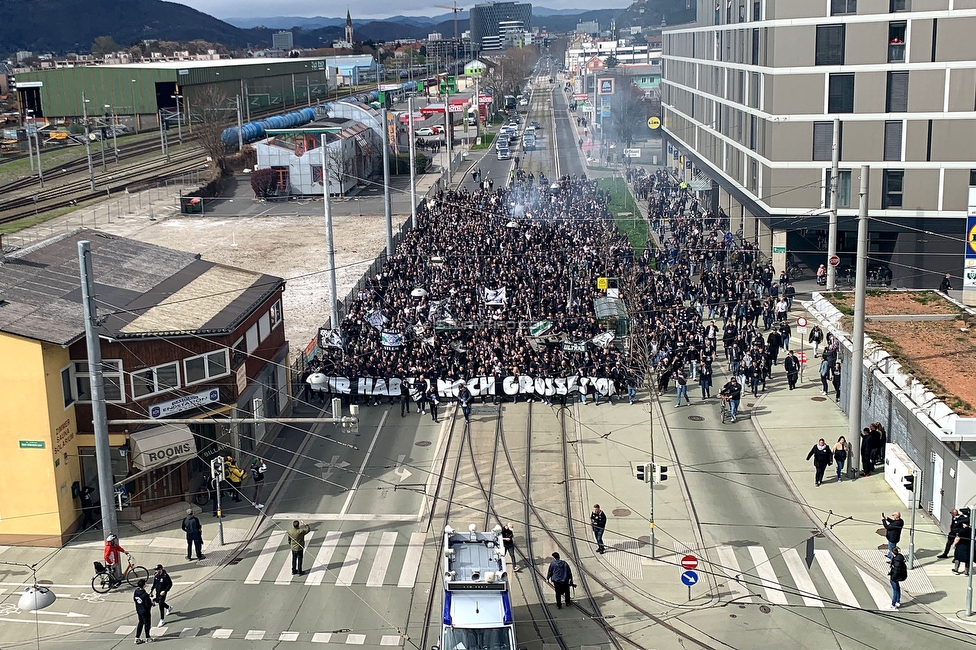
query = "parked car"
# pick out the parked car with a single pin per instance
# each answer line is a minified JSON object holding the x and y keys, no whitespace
{"x":425,"y":131}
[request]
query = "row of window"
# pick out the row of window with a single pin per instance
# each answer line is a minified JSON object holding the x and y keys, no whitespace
{"x":840,"y":92}
{"x":823,"y":140}
{"x":76,"y":382}
{"x":837,"y":8}
{"x":831,"y":48}
{"x":842,"y":7}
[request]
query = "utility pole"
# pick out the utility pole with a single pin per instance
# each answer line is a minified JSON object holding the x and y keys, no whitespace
{"x":30,"y":144}
{"x":911,"y":533}
{"x":477,"y":109}
{"x":240,"y":128}
{"x":179,"y":121}
{"x":103,"y":459}
{"x":387,"y":206}
{"x":91,"y":169}
{"x":103,"y":133}
{"x":413,"y":165}
{"x":857,"y":355}
{"x":162,"y":135}
{"x":447,"y":129}
{"x":832,"y":229}
{"x":217,"y":469}
{"x":329,"y":241}
{"x":115,"y":142}
{"x":969,"y":587}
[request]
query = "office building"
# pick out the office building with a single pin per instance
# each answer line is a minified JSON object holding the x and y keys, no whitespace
{"x":485,"y":20}
{"x":750,"y":93}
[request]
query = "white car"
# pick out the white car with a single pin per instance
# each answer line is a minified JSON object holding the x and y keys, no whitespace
{"x":504,"y":154}
{"x":425,"y":131}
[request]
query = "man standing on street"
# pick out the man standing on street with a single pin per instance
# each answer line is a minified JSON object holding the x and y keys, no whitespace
{"x":296,"y":536}
{"x":258,"y":469}
{"x":161,"y":585}
{"x":792,"y":367}
{"x":896,"y":575}
{"x":893,"y":526}
{"x":946,"y":285}
{"x":958,"y":521}
{"x":598,"y":519}
{"x":194,"y":535}
{"x":508,"y":538}
{"x":561,"y":577}
{"x":732,"y":391}
{"x":143,"y":610}
{"x":464,"y":397}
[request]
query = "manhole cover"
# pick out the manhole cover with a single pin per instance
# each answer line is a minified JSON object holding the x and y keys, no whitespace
{"x":644,"y":540}
{"x":749,"y":405}
{"x":696,"y":418}
{"x":236,"y":560}
{"x":423,"y":443}
{"x":621,"y":512}
{"x":819,"y":398}
{"x":733,"y":616}
{"x":764,"y":609}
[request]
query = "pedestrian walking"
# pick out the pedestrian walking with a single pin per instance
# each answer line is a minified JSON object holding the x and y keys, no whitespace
{"x":235,"y":476}
{"x":816,"y":338}
{"x":432,"y":400}
{"x":464,"y":397}
{"x":835,"y":380}
{"x":792,"y":367}
{"x":946,"y":285}
{"x":955,"y":528}
{"x":421,"y":397}
{"x":631,"y":389}
{"x":705,"y":380}
{"x":143,"y":610}
{"x":824,"y":376}
{"x":508,"y":539}
{"x":598,"y":521}
{"x":893,"y":526}
{"x":296,"y":537}
{"x":681,"y":383}
{"x":841,"y":451}
{"x":561,"y":577}
{"x":960,"y":549}
{"x":404,"y":401}
{"x":732,"y":392}
{"x":867,"y":453}
{"x":822,"y":457}
{"x":161,"y":585}
{"x":88,"y":509}
{"x":897,"y":573}
{"x":194,"y":535}
{"x":258,"y":470}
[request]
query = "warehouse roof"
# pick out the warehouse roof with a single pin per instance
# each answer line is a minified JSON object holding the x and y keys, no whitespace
{"x":141,"y":290}
{"x":218,"y":63}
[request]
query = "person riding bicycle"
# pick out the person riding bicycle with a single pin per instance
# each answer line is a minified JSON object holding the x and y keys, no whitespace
{"x":113,"y":554}
{"x":732,"y":393}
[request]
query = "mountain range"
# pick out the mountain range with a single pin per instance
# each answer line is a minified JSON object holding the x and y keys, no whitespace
{"x":315,"y":22}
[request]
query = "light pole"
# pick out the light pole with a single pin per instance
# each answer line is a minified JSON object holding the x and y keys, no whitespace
{"x":857,"y":354}
{"x":37,"y":141}
{"x":832,"y":226}
{"x":91,"y":169}
{"x":115,"y":142}
{"x":30,"y":145}
{"x":179,"y":120}
{"x":413,"y":170}
{"x":135,"y":113}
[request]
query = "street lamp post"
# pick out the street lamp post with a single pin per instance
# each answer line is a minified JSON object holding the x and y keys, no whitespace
{"x":135,"y":113}
{"x":32,"y":131}
{"x":91,"y":169}
{"x":179,"y":120}
{"x":115,"y":141}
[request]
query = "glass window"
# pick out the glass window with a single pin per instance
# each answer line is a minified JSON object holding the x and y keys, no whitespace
{"x":899,"y":5}
{"x":897,"y":96}
{"x":843,"y":189}
{"x":195,"y":369}
{"x":217,"y":363}
{"x":264,"y":322}
{"x":276,"y":316}
{"x":111,"y":380}
{"x":830,"y":44}
{"x":66,"y":387}
{"x":840,"y":7}
{"x":143,"y":383}
{"x":252,"y":338}
{"x":206,"y":366}
{"x":972,"y":178}
{"x":823,"y":140}
{"x":896,"y":41}
{"x":893,"y":182}
{"x":892,"y":140}
{"x":155,"y":380}
{"x":756,"y":9}
{"x":840,"y":93}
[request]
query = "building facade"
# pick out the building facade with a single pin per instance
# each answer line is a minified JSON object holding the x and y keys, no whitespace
{"x":486,"y":18}
{"x":750,"y":93}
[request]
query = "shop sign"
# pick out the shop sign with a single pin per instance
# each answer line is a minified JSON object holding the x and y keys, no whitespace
{"x":32,"y":444}
{"x":185,"y":403}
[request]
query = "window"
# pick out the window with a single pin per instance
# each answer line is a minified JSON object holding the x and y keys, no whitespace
{"x":892,"y":140}
{"x":840,"y":7}
{"x":823,"y":140}
{"x":264,"y":322}
{"x":840,"y":93}
{"x":276,"y":316}
{"x":111,"y":379}
{"x":755,"y":47}
{"x":843,"y":189}
{"x":154,"y":380}
{"x":66,"y":393}
{"x":206,"y":366}
{"x":896,"y":42}
{"x":893,"y":182}
{"x":972,"y":178}
{"x":252,"y":338}
{"x":899,"y":5}
{"x":756,"y":9}
{"x":753,"y":127}
{"x":830,"y":44}
{"x":897,"y":98}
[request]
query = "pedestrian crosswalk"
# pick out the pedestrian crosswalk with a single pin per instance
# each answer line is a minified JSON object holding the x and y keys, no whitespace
{"x":781,"y":576}
{"x":343,"y":559}
{"x":336,"y":638}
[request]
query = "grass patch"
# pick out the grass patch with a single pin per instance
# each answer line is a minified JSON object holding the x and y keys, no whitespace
{"x":486,"y":140}
{"x":623,"y":207}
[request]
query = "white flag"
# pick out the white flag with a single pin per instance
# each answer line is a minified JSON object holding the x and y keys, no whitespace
{"x":495,"y":296}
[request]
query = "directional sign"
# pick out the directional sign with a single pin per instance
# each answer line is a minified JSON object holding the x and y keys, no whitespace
{"x":834,"y":261}
{"x":689,"y":578}
{"x":580,"y":96}
{"x":689,"y":562}
{"x":801,"y":322}
{"x":653,"y":122}
{"x":632,"y":153}
{"x":399,"y":471}
{"x":484,"y":99}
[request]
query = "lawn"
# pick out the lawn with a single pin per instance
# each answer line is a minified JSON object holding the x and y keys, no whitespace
{"x":486,"y":140}
{"x":623,"y":207}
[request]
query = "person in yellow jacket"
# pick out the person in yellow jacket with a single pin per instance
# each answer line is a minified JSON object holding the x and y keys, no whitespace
{"x":235,"y":476}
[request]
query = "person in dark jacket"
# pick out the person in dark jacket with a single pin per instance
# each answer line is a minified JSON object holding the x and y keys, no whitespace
{"x":896,"y":575}
{"x":960,"y":549}
{"x":958,"y":520}
{"x":404,"y":401}
{"x":792,"y":367}
{"x":822,"y":457}
{"x":143,"y":609}
{"x":816,"y":338}
{"x":893,"y":526}
{"x":561,"y":577}
{"x":161,"y":585}
{"x":88,"y":509}
{"x":194,"y":535}
{"x":773,"y":343}
{"x":508,"y":538}
{"x":867,"y":453}
{"x":835,"y":380}
{"x":598,"y":521}
{"x":946,"y":285}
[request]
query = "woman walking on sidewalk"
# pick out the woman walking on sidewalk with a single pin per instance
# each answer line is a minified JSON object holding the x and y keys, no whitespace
{"x":841,"y":450}
{"x":821,"y":458}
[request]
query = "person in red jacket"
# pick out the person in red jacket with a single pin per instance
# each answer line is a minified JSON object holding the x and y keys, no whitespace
{"x":113,"y":557}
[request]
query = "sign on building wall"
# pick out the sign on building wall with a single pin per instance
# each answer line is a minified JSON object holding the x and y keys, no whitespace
{"x":969,"y":271}
{"x":606,"y":85}
{"x":184,"y":403}
{"x":391,"y":131}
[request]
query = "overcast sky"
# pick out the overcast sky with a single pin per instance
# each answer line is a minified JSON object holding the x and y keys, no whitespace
{"x":361,"y":9}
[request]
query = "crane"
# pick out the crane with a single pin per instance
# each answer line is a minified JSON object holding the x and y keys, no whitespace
{"x":455,"y":9}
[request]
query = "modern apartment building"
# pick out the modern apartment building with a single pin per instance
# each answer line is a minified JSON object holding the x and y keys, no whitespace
{"x":485,"y":20}
{"x":750,"y":93}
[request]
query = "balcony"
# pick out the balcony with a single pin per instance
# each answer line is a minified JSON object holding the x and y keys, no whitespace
{"x":896,"y":52}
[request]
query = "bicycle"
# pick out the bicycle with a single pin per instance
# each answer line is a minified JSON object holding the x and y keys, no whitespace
{"x":104,"y":581}
{"x":726,"y":409}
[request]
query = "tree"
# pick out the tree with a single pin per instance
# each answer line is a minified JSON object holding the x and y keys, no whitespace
{"x":209,"y":109}
{"x":611,"y":61}
{"x":104,"y":45}
{"x":264,"y":182}
{"x":628,"y":116}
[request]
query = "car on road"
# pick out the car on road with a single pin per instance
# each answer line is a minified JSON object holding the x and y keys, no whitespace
{"x":504,"y":153}
{"x":536,"y":125}
{"x":425,"y":131}
{"x":438,"y":129}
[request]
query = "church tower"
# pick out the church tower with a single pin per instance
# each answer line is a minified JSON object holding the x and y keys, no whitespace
{"x":348,"y":27}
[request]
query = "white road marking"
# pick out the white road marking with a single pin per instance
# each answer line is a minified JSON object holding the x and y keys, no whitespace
{"x":411,"y":563}
{"x":284,"y":574}
{"x":313,"y":516}
{"x":879,"y":594}
{"x":321,"y":637}
{"x":835,"y":578}
{"x":362,"y":469}
{"x":381,"y":562}
{"x":808,"y":591}
{"x":261,"y":565}
{"x":223,"y":633}
{"x":322,"y":559}
{"x":774,"y":592}
{"x":289,"y":636}
{"x":125,"y":629}
{"x":390,"y":639}
{"x":348,"y":571}
{"x":356,"y":639}
{"x":254,"y":635}
{"x":730,"y":566}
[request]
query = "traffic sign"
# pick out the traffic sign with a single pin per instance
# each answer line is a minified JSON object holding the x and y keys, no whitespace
{"x":801,"y":357}
{"x":631,"y":153}
{"x":602,"y":284}
{"x":653,"y":122}
{"x":801,"y":330}
{"x":801,"y":321}
{"x":689,"y":578}
{"x":834,"y":261}
{"x":580,"y":97}
{"x":689,"y":562}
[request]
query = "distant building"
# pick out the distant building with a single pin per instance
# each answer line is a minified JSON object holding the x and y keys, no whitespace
{"x":590,"y":27}
{"x":23,"y":55}
{"x":485,"y":20}
{"x":282,"y":40}
{"x":349,"y":33}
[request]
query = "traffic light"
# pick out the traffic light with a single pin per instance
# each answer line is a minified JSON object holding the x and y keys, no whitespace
{"x":218,"y":468}
{"x":644,"y":472}
{"x":660,"y":473}
{"x":908,"y":481}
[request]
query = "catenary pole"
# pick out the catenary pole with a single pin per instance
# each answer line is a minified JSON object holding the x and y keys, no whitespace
{"x":413,"y":167}
{"x":832,"y":227}
{"x":387,"y":205}
{"x":969,"y":587}
{"x":448,"y":136}
{"x":91,"y":168}
{"x":857,"y":355}
{"x":103,"y":459}
{"x":329,"y":241}
{"x":911,"y":531}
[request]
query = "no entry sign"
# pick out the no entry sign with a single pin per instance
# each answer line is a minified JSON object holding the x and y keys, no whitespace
{"x":689,"y":562}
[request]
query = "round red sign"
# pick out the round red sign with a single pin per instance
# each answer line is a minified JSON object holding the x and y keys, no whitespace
{"x":834,"y":260}
{"x":689,"y":562}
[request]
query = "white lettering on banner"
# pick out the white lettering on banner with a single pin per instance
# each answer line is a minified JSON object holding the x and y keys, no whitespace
{"x":478,"y":386}
{"x":185,"y":403}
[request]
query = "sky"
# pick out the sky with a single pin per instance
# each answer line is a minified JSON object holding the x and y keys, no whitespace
{"x":361,"y":9}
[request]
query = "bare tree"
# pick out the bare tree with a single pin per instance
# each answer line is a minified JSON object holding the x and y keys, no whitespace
{"x":210,"y":110}
{"x":339,"y":165}
{"x":629,"y":115}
